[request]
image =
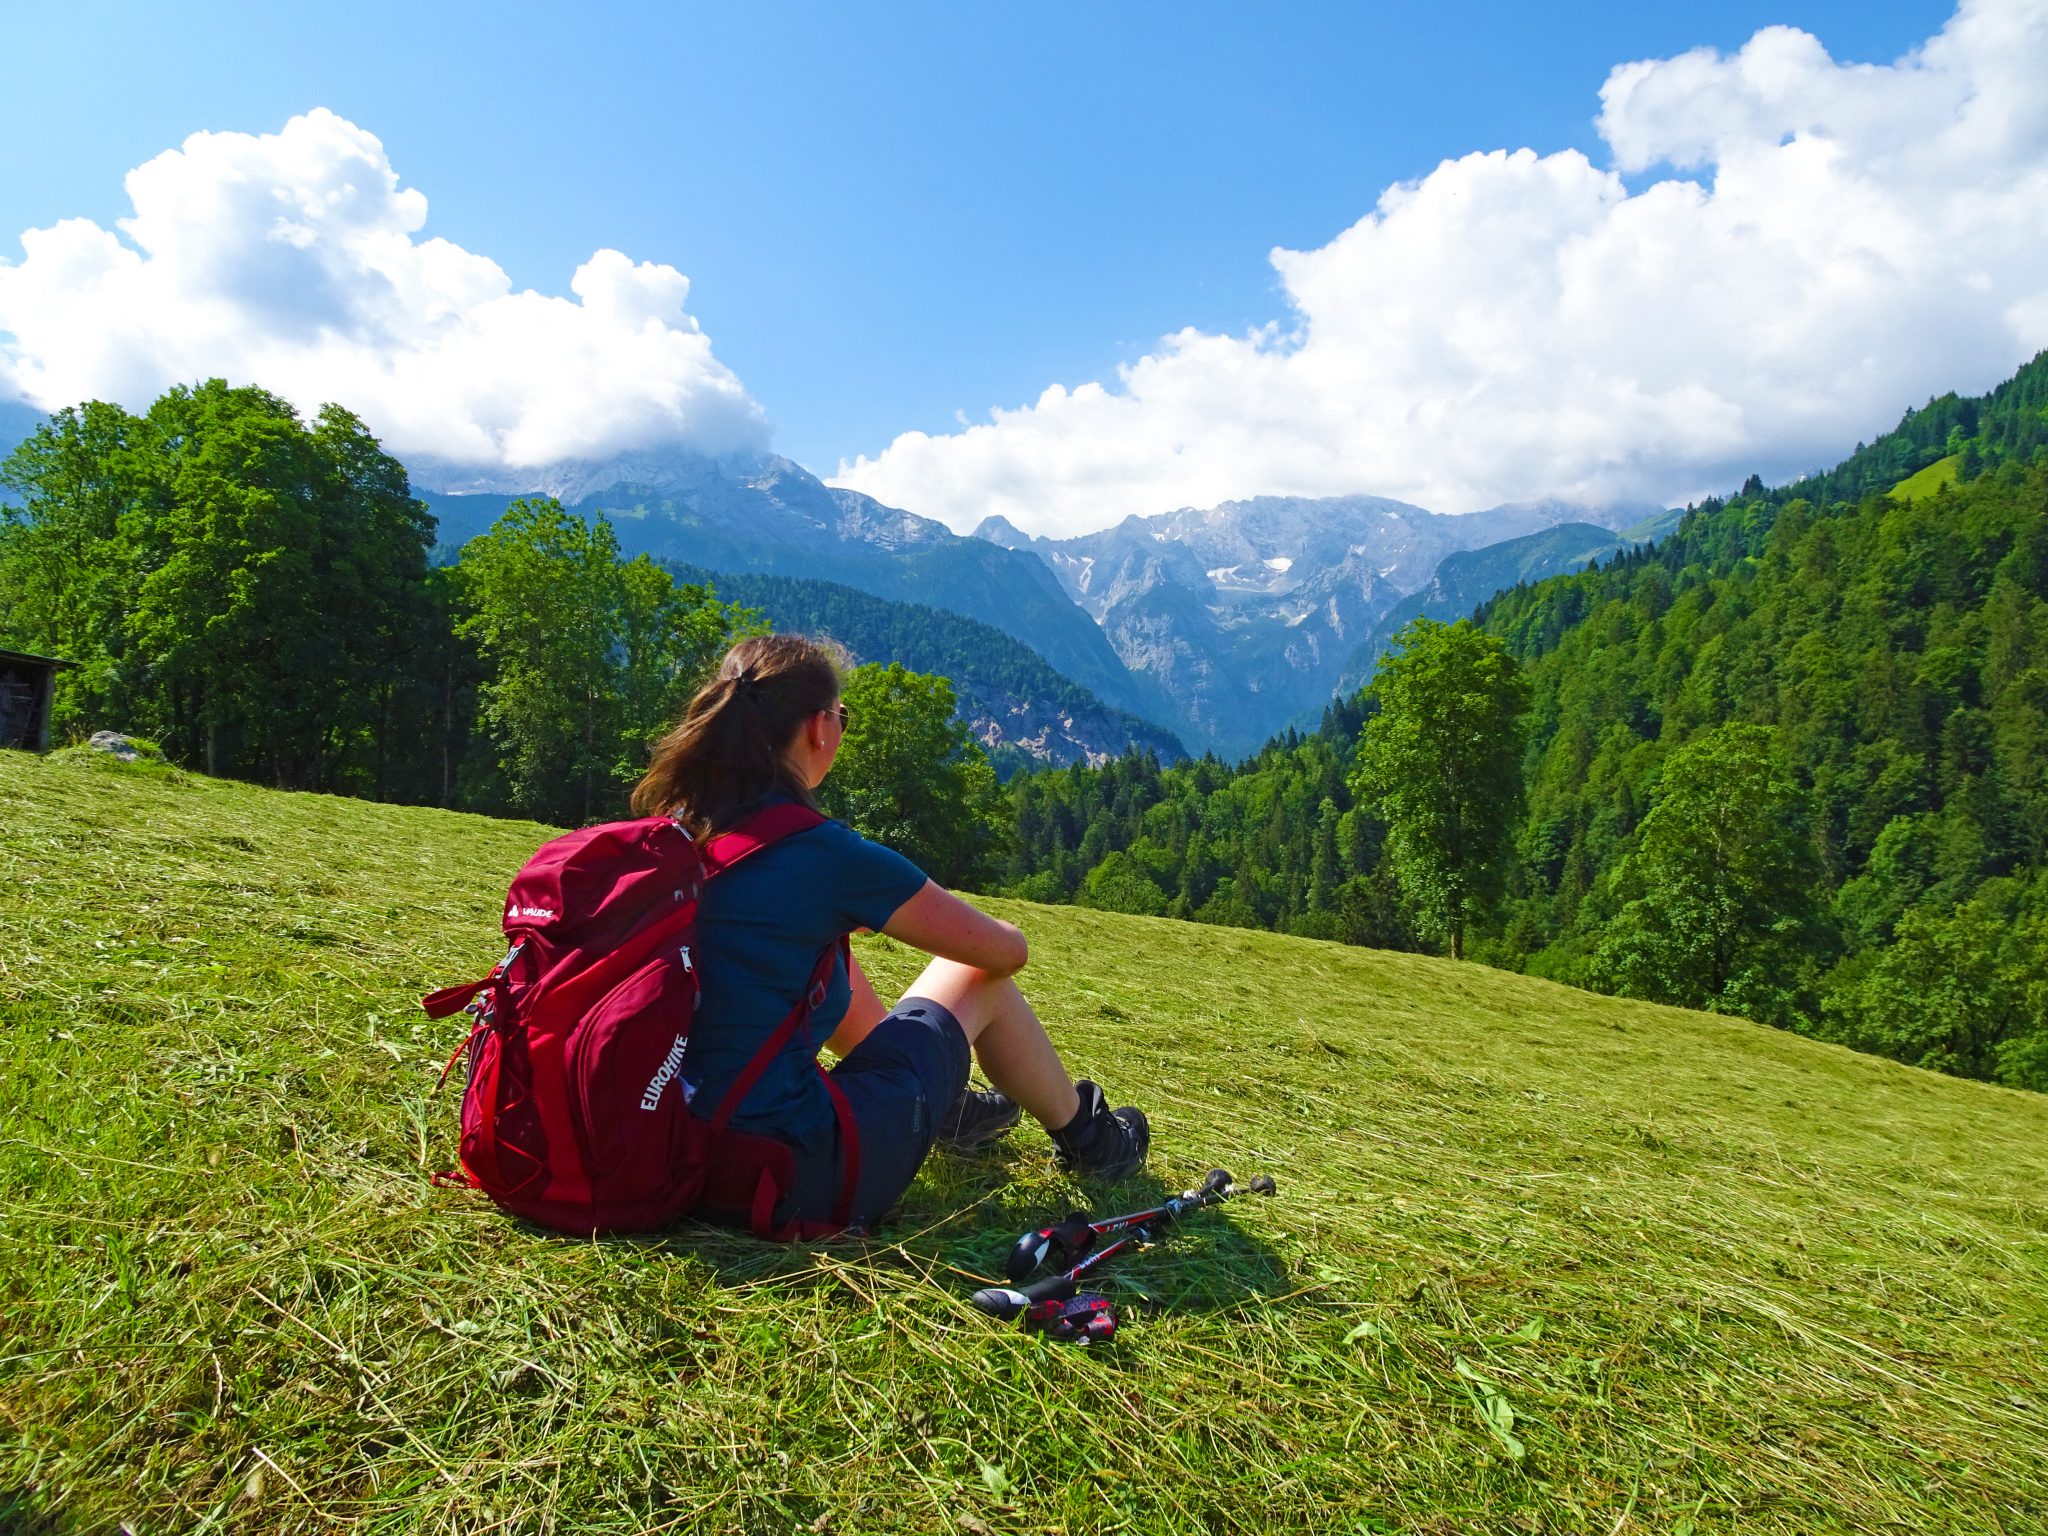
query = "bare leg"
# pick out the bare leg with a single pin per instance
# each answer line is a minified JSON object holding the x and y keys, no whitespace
{"x":1012,"y":1046}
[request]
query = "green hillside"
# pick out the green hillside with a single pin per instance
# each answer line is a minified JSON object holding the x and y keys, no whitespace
{"x":2009,"y":425}
{"x":1883,"y":664}
{"x":1542,"y":1261}
{"x":1925,"y":482}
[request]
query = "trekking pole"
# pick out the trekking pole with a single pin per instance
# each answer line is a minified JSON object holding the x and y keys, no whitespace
{"x":1075,"y":1235}
{"x":1065,"y":1241}
{"x":1137,"y":1227}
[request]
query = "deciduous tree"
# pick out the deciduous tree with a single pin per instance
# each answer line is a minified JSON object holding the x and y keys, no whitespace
{"x":242,"y":585}
{"x":1441,"y":763}
{"x":585,"y":657}
{"x":1722,"y":910}
{"x":909,"y":775}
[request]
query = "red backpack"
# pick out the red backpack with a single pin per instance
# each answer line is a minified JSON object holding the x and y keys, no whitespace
{"x":576,"y":1115}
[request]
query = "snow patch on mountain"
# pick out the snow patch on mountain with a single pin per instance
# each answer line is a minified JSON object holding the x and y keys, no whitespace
{"x":1246,"y":612}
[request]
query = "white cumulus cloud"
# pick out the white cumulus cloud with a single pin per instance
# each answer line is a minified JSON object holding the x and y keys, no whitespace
{"x":293,"y":260}
{"x":1826,"y":245}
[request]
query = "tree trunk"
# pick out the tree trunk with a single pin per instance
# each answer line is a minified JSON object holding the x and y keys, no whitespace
{"x":448,"y":736}
{"x":383,"y":730}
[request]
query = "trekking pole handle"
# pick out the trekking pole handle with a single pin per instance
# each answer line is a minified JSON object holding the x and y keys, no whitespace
{"x":1006,"y":1302}
{"x":1217,"y":1187}
{"x":1054,"y":1247}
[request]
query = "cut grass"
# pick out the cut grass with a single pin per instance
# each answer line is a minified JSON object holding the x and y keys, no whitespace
{"x":1541,"y":1261}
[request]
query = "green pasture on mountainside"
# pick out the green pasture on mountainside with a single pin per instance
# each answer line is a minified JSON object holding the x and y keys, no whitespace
{"x":1541,"y":1261}
{"x":1925,"y":482}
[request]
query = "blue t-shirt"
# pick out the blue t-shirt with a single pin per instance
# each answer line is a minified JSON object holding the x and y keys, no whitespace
{"x":760,"y":927}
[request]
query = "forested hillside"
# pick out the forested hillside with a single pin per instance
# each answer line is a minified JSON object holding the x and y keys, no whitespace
{"x":1790,"y":762}
{"x":1467,"y":578}
{"x":1021,"y":710}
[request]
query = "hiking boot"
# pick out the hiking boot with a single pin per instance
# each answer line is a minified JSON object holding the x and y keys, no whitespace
{"x":1108,"y":1143}
{"x":977,"y":1119}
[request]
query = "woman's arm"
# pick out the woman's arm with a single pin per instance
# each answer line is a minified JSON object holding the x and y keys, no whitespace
{"x":864,"y":1010}
{"x":940,"y":923}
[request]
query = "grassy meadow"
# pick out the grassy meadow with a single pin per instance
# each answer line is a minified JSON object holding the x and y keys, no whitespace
{"x":1541,"y":1261}
{"x":1923,"y":483}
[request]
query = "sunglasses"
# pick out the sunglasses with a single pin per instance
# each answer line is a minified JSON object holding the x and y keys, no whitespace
{"x":844,"y":714}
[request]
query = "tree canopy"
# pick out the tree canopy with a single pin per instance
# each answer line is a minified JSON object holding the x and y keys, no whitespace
{"x":252,"y":591}
{"x":910,"y":776}
{"x":1441,"y":758}
{"x":587,"y":657}
{"x":1719,"y":894}
{"x":240,"y":584}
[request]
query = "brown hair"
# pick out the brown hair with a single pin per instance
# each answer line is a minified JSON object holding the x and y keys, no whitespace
{"x":725,"y":755}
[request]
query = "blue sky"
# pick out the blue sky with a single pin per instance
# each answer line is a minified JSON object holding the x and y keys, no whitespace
{"x":887,"y":213}
{"x":899,"y":219}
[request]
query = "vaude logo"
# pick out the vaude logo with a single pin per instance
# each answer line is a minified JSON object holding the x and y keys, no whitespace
{"x":665,"y":1074}
{"x":542,"y":912}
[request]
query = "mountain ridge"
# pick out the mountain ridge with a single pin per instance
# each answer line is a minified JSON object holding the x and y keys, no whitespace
{"x":1467,"y":578}
{"x":765,"y":515}
{"x":1216,"y":625}
{"x":1019,"y":707}
{"x":1249,"y":612}
{"x":1221,"y":622}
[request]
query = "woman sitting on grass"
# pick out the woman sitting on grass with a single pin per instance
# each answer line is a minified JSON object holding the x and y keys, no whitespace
{"x":766,"y":729}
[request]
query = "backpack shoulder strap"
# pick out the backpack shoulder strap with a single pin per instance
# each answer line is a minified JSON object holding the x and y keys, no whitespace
{"x":766,"y":827}
{"x":769,"y":1189}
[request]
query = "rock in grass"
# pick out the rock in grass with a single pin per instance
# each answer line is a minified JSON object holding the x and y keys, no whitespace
{"x":129,"y":749}
{"x":521,"y":1380}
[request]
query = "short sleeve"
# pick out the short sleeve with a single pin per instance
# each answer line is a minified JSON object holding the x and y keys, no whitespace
{"x":873,"y":881}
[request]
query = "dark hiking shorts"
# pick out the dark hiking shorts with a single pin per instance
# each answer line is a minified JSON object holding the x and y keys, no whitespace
{"x":909,"y":1071}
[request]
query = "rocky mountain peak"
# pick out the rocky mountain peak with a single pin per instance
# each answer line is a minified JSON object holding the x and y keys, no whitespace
{"x":998,"y":529}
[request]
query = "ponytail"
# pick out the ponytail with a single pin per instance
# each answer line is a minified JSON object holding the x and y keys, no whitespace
{"x":726,"y":753}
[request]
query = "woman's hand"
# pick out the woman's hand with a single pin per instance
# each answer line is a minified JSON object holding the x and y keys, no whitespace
{"x":940,"y":923}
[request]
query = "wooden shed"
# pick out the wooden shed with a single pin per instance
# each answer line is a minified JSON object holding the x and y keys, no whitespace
{"x":26,"y":683}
